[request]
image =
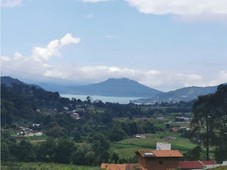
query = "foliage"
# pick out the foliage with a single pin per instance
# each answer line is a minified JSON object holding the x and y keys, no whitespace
{"x":86,"y":141}
{"x":209,"y":121}
{"x":194,"y":154}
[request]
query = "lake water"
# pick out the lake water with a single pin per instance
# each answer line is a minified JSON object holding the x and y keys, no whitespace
{"x":111,"y":99}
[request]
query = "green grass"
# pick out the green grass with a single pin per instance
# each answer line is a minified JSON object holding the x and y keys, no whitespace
{"x":221,"y":168}
{"x":127,"y":148}
{"x":45,"y":166}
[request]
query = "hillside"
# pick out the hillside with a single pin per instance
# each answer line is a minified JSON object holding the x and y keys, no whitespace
{"x":10,"y":82}
{"x":116,"y":87}
{"x":183,"y":94}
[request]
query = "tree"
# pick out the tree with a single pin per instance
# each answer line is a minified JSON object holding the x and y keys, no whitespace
{"x":114,"y":157}
{"x":7,"y":111}
{"x":64,"y":150}
{"x":209,"y":123}
{"x":117,"y":134}
{"x":194,"y":154}
{"x":56,"y":132}
{"x":25,"y":151}
{"x":78,"y":157}
{"x":46,"y":151}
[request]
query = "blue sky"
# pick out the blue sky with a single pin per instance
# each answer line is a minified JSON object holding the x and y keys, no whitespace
{"x":163,"y":44}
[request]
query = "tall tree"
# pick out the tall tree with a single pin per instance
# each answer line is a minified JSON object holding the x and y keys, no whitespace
{"x":210,"y":121}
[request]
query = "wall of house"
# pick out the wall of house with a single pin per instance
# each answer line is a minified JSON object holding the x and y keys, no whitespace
{"x":159,"y":163}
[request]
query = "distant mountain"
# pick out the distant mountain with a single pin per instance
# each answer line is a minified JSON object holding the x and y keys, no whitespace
{"x":116,"y":87}
{"x":9,"y":81}
{"x":122,"y":87}
{"x":54,"y":87}
{"x":183,"y":94}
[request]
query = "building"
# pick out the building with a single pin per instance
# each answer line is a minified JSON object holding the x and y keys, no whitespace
{"x":163,"y":158}
{"x":186,"y":165}
{"x":163,"y":146}
{"x":159,"y":159}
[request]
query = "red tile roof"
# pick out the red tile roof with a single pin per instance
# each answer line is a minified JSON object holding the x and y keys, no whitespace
{"x":190,"y":165}
{"x":160,"y":153}
{"x":210,"y":162}
{"x":195,"y":164}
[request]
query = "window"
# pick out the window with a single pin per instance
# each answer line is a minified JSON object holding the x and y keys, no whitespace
{"x":160,"y":162}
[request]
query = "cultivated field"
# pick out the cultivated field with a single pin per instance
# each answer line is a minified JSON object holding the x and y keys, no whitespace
{"x":127,"y":148}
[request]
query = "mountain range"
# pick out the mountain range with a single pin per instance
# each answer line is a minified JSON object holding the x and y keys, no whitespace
{"x":123,"y":87}
{"x":183,"y":94}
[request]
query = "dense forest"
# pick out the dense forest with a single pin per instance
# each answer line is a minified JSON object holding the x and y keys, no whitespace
{"x":85,"y":139}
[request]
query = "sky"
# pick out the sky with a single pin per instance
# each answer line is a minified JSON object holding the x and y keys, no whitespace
{"x":163,"y":44}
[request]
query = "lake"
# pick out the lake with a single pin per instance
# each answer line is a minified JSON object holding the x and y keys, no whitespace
{"x":111,"y":99}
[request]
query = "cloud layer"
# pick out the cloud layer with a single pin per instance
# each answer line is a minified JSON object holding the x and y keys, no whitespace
{"x":39,"y":65}
{"x":10,"y":3}
{"x":181,"y":7}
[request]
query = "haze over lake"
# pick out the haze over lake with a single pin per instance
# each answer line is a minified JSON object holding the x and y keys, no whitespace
{"x":111,"y":99}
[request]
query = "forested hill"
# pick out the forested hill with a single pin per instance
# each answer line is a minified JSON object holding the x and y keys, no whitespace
{"x":116,"y":87}
{"x":10,"y":82}
{"x":21,"y":100}
{"x":183,"y":94}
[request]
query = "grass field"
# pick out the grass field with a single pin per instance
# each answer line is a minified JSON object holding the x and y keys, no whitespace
{"x":127,"y":148}
{"x":221,"y":168}
{"x":45,"y":166}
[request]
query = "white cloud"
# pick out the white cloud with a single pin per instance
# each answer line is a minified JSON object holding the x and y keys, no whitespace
{"x":10,"y":3}
{"x":187,"y":8}
{"x":52,"y":49}
{"x":39,"y":66}
{"x":162,"y":80}
{"x":4,"y":58}
{"x":221,"y":78}
{"x":69,"y":39}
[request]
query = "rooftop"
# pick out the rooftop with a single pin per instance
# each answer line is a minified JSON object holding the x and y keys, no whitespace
{"x":159,"y":153}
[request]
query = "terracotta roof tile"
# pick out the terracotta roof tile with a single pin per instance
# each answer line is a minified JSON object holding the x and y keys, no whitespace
{"x":210,"y":162}
{"x":190,"y":165}
{"x":160,"y":153}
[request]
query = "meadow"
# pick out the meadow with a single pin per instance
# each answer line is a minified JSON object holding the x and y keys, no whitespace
{"x":45,"y":166}
{"x":127,"y":148}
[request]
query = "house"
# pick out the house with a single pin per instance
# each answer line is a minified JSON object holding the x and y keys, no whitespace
{"x":139,"y":136}
{"x":35,"y":125}
{"x":75,"y":116}
{"x":186,"y":165}
{"x":159,"y":159}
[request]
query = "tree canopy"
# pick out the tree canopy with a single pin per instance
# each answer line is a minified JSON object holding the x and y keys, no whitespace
{"x":209,"y":123}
